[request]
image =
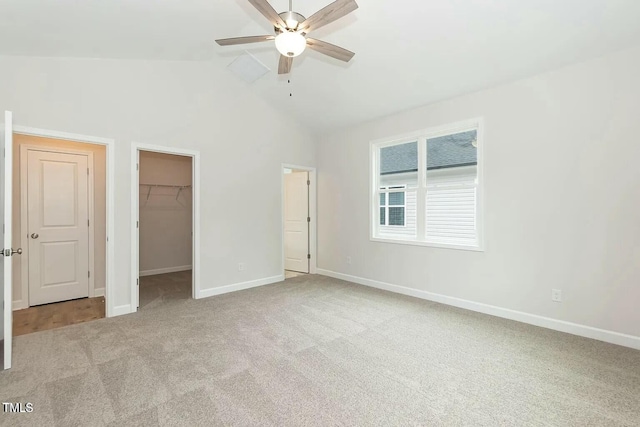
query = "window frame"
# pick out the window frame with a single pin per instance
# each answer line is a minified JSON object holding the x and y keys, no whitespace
{"x":421,"y":136}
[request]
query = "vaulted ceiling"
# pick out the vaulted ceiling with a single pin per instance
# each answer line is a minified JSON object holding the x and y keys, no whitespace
{"x":408,"y":52}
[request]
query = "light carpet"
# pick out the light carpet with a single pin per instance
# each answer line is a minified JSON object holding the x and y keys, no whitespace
{"x":317,"y":351}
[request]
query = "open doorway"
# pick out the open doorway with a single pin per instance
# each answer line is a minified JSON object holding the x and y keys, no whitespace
{"x":59,"y":220}
{"x":165,"y":227}
{"x":298,"y":221}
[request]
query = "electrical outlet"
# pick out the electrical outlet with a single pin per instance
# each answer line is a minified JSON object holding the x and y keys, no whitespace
{"x":556,"y":295}
{"x":241,"y":266}
{"x":349,"y":260}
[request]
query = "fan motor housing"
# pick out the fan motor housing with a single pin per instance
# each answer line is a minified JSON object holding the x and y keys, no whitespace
{"x":290,"y":16}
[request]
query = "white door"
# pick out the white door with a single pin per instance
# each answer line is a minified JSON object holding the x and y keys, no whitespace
{"x":296,"y":221}
{"x":58,"y":226}
{"x":6,"y":141}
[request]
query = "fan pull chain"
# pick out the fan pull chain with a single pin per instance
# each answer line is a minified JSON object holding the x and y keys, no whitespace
{"x":290,"y":93}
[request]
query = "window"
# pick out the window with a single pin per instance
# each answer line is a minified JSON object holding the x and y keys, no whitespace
{"x":426,"y":188}
{"x":392,"y":206}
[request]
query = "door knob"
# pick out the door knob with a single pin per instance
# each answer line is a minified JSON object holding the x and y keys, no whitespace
{"x":9,"y":252}
{"x":34,"y":235}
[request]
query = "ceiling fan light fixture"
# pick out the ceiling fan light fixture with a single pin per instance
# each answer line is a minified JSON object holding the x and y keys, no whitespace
{"x":290,"y":43}
{"x":291,"y":30}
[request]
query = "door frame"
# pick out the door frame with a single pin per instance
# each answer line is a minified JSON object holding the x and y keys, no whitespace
{"x":24,"y":240}
{"x":313,"y":214}
{"x":136,"y":147}
{"x":7,"y":313}
{"x":110,"y":191}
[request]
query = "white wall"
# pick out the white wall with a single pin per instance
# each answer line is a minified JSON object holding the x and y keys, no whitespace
{"x":242,"y":141}
{"x":20,"y":294}
{"x":165,"y":213}
{"x":562,"y":198}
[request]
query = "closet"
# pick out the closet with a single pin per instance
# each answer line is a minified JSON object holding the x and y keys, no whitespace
{"x":165,"y":229}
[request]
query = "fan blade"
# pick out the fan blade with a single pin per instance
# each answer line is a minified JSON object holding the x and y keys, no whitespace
{"x":243,"y":40}
{"x":284,"y":66}
{"x":269,"y":12}
{"x":327,"y":15}
{"x":330,"y":50}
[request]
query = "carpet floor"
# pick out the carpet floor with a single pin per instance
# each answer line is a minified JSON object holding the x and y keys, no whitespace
{"x":317,"y":351}
{"x":156,"y":290}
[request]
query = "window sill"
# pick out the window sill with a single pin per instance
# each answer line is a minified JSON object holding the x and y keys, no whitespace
{"x":440,"y":245}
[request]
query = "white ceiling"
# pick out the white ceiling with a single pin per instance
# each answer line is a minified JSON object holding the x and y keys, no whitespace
{"x":408,"y":52}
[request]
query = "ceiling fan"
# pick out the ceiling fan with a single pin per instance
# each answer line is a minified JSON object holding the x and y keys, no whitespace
{"x":291,"y":29}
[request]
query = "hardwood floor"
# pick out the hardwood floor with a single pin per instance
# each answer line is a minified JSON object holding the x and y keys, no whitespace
{"x":288,"y":274}
{"x":56,"y":315}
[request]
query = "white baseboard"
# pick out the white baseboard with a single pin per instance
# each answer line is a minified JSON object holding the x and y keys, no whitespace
{"x":19,"y":305}
{"x":121,"y":309}
{"x":98,"y":292}
{"x":532,"y":319}
{"x":204,"y":293}
{"x":164,"y":270}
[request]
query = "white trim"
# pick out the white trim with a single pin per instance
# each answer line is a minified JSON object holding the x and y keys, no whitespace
{"x":26,"y":130}
{"x":135,"y":217}
{"x":136,"y":147}
{"x":420,"y":137}
{"x":205,"y":293}
{"x":98,"y":292}
{"x":519,"y":316}
{"x":19,"y":305}
{"x":110,"y":190}
{"x":408,"y":241}
{"x":122,"y":309}
{"x":6,"y":193}
{"x":24,"y":222}
{"x":430,"y":132}
{"x":313,"y":214}
{"x":165,"y":270}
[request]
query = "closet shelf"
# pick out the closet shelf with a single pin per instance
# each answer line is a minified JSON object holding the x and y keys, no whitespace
{"x":179,"y":187}
{"x":165,"y":185}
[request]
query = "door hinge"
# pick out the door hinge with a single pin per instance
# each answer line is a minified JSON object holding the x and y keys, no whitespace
{"x":89,"y":274}
{"x":87,"y":171}
{"x":308,"y":219}
{"x":87,"y":223}
{"x":138,"y":282}
{"x":137,"y":166}
{"x":308,"y":256}
{"x":308,"y":182}
{"x":137,"y":224}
